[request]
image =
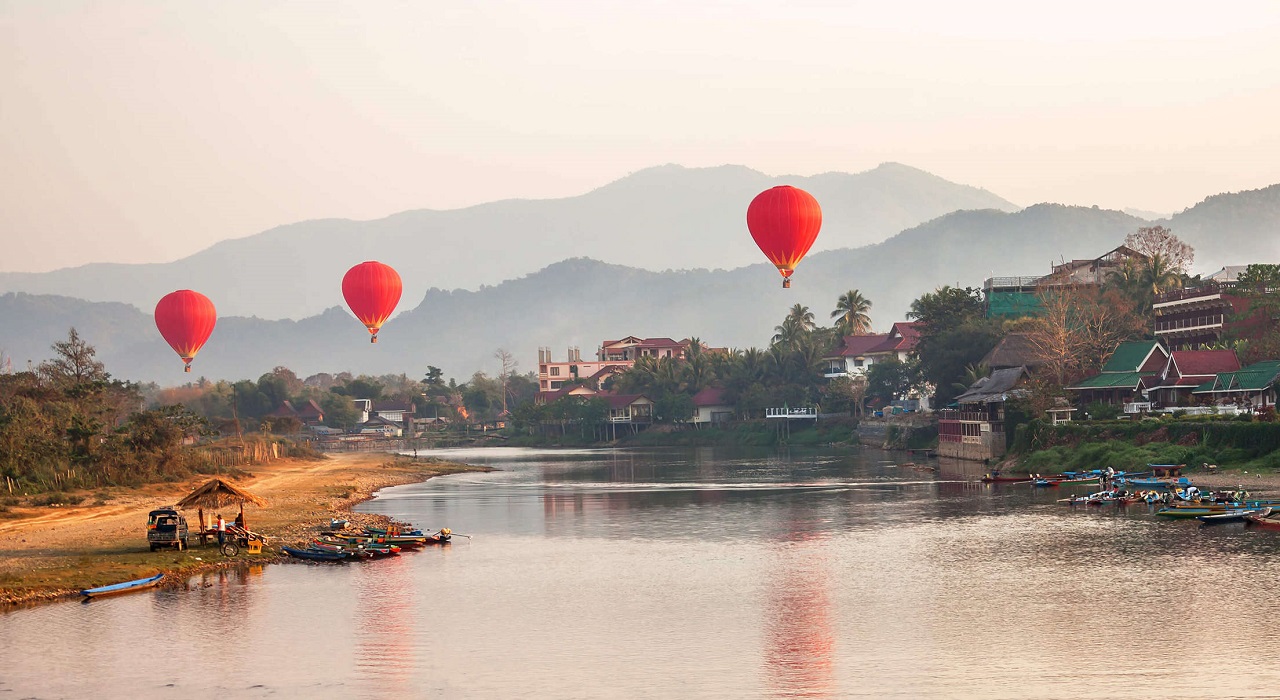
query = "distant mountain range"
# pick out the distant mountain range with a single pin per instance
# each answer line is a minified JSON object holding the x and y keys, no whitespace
{"x":580,"y":302}
{"x":662,"y":218}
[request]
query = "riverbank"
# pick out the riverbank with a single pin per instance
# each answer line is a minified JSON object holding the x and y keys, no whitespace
{"x":50,"y":552}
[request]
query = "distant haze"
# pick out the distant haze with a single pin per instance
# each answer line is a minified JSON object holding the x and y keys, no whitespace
{"x":140,"y":131}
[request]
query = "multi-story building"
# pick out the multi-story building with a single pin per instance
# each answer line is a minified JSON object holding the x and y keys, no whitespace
{"x":858,"y":353}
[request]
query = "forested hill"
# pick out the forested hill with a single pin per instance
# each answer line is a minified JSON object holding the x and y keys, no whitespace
{"x":662,"y":218}
{"x":580,"y":302}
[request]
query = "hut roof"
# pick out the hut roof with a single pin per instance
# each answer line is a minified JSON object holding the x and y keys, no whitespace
{"x":219,"y":494}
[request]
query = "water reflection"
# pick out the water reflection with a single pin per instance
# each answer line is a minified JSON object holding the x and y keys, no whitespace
{"x":701,"y":573}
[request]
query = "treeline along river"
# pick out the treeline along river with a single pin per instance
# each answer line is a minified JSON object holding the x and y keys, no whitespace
{"x":701,"y":573}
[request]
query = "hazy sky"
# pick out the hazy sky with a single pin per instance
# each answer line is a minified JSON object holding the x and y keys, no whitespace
{"x":144,"y":131}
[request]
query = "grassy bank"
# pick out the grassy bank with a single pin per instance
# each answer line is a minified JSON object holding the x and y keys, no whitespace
{"x":1237,"y":445}
{"x":51,"y":552}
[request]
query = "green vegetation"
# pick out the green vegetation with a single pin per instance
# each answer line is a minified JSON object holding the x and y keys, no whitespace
{"x":1130,"y":445}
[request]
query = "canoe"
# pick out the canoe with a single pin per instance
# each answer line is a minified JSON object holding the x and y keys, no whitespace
{"x":315,"y":554}
{"x":126,"y":587}
{"x":1230,"y":516}
{"x":1005,"y":479}
{"x":1263,"y":521}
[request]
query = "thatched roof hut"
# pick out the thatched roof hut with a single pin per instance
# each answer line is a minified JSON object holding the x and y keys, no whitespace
{"x":219,"y":494}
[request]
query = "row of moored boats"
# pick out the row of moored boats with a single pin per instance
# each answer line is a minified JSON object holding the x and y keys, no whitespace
{"x":369,"y":543}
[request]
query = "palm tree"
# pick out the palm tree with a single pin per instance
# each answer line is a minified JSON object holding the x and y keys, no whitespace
{"x":1158,"y":275}
{"x":797,"y":325}
{"x":853,"y":310}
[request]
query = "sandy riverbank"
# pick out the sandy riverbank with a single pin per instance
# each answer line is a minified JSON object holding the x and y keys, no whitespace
{"x":50,"y":552}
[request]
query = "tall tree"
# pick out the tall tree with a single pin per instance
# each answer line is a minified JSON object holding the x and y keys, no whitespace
{"x":1158,"y":240}
{"x":1080,"y":327}
{"x":853,"y":311}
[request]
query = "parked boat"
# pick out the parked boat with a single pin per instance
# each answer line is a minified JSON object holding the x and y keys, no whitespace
{"x":1264,"y":520}
{"x":1230,"y":516}
{"x":126,"y":587}
{"x":316,"y":554}
{"x":996,"y":479}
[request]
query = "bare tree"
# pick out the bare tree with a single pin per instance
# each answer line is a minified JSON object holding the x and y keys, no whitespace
{"x":1080,"y":328}
{"x":509,"y":366}
{"x":1158,"y":241}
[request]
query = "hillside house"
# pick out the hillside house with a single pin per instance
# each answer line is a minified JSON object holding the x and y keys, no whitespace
{"x":1249,"y":388}
{"x":858,"y":353}
{"x":636,"y":409}
{"x":1121,"y":380}
{"x":1020,"y":296}
{"x":1184,"y":372}
{"x":1195,"y":317}
{"x":710,"y":407}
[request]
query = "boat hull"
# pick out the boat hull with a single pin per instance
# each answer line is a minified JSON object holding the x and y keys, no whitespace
{"x":126,"y":587}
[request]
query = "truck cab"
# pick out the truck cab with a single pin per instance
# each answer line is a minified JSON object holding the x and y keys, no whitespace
{"x":166,"y":527}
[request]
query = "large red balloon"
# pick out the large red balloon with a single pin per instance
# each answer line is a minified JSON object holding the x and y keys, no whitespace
{"x":372,"y":290}
{"x":784,"y":221}
{"x":185,"y":319}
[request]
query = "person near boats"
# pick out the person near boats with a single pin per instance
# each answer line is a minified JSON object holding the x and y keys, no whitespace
{"x":240,"y":520}
{"x":222,"y":530}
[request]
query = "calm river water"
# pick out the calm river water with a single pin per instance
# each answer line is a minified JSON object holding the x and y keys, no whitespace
{"x":701,"y":573}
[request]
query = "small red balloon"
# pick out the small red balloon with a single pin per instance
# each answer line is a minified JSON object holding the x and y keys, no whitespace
{"x":186,"y":319}
{"x":784,"y":222}
{"x":372,"y":290}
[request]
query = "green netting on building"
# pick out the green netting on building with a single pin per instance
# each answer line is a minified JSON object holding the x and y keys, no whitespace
{"x":1013,"y":304}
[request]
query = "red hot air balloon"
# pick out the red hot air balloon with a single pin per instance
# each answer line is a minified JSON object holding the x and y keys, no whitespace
{"x":784,"y":221}
{"x":372,"y":290}
{"x":185,"y":319}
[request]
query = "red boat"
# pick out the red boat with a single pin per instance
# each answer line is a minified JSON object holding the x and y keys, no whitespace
{"x":1263,"y":521}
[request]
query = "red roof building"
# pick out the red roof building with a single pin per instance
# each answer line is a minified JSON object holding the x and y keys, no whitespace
{"x":1184,"y":371}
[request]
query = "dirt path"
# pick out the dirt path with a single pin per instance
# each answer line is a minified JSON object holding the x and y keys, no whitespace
{"x":49,"y":551}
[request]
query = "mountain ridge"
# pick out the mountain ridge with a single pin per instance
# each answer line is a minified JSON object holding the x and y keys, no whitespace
{"x":292,"y":270}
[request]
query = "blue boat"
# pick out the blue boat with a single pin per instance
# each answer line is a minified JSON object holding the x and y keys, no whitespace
{"x":126,"y":587}
{"x":316,"y":554}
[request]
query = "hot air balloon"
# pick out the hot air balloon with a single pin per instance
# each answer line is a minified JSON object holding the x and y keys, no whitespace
{"x":185,"y":319}
{"x":784,"y":221}
{"x":372,"y":290}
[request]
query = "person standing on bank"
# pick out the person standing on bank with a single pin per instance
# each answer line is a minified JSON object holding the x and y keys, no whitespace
{"x":222,"y":530}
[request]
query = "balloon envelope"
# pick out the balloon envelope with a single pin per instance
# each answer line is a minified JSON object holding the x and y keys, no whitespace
{"x":185,"y":319}
{"x":784,"y":222}
{"x":372,"y":290}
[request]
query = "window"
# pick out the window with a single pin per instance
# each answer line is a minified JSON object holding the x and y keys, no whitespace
{"x":858,"y":362}
{"x":555,"y":371}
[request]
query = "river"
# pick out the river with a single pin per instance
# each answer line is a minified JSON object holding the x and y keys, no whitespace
{"x":701,"y":573}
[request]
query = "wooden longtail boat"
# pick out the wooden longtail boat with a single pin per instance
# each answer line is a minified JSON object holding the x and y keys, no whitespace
{"x":126,"y":587}
{"x":316,"y":554}
{"x":988,"y":479}
{"x":1265,"y":521}
{"x":1229,"y":516}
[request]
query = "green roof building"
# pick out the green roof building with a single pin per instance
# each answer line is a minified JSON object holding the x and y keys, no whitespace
{"x":1255,"y":385}
{"x":1120,"y":380}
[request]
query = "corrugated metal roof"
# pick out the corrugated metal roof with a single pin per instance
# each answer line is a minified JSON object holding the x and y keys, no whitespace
{"x":993,"y":388}
{"x":1129,"y":356}
{"x":1111,"y":380}
{"x":1255,"y":377}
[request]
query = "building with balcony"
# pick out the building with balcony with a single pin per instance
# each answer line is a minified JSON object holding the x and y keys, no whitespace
{"x":858,"y":353}
{"x":974,"y":430}
{"x":1020,"y":296}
